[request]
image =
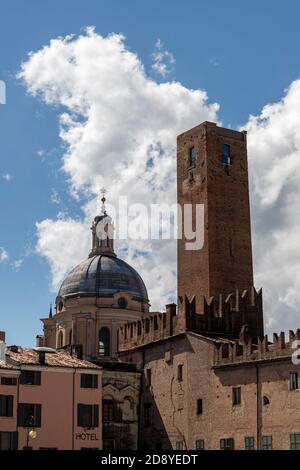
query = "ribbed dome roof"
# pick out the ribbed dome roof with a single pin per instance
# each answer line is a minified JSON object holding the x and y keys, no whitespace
{"x":103,"y":275}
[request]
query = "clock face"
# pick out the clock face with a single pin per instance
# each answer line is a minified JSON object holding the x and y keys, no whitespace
{"x":104,"y":228}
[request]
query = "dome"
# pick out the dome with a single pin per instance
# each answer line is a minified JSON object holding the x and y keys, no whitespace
{"x":103,"y":275}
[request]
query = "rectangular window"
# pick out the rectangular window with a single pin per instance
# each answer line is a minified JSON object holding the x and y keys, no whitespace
{"x":267,"y":443}
{"x":179,"y":445}
{"x":147,"y":415}
{"x":6,"y":405}
{"x":180,"y":373}
{"x":199,"y":444}
{"x":227,"y":444}
{"x":293,"y":380}
{"x":226,"y":157}
{"x":8,"y":441}
{"x":87,"y":416}
{"x":225,"y":350}
{"x":108,"y":410}
{"x":236,"y":396}
{"x":192,"y":157}
{"x":295,"y":441}
{"x":249,"y":443}
{"x":29,"y":415}
{"x":30,"y":377}
{"x":8,"y":380}
{"x":89,"y":381}
{"x":199,"y":407}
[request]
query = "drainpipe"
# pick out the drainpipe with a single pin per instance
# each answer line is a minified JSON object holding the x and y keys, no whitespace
{"x":73,"y":408}
{"x":18,"y":399}
{"x":142,"y":383}
{"x":140,"y":411}
{"x":258,"y":409}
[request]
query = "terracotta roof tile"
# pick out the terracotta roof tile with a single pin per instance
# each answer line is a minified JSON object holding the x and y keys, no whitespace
{"x":58,"y":359}
{"x":4,"y":365}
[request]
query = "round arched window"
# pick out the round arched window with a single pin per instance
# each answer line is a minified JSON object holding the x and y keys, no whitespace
{"x":104,"y":341}
{"x":60,"y":306}
{"x":122,"y":302}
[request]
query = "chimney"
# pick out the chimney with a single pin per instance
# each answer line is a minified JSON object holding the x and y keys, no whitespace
{"x":2,"y":346}
{"x":42,"y":351}
{"x":42,"y":357}
{"x":39,"y":341}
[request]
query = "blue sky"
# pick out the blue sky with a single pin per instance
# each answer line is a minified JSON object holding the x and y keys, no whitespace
{"x":243,"y":54}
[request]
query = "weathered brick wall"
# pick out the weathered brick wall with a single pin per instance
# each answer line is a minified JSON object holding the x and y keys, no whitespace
{"x":174,"y":404}
{"x":225,"y":261}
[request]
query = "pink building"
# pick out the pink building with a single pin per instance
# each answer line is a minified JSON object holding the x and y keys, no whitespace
{"x":48,"y":400}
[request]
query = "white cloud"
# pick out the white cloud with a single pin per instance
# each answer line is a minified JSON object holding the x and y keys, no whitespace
{"x":17,"y":264}
{"x":4,"y":256}
{"x":214,"y":62}
{"x":40,"y":153}
{"x":7,"y":177}
{"x":114,"y":120}
{"x":163,"y":60}
{"x":55,"y":198}
{"x":274,"y":161}
{"x":64,"y":242}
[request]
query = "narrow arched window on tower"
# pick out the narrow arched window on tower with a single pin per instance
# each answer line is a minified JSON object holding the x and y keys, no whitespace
{"x":192,"y":157}
{"x":60,"y":339}
{"x":104,"y":341}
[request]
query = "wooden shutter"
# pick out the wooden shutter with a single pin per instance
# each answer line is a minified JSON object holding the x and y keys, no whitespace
{"x":37,"y":415}
{"x":10,"y":405}
{"x":95,"y":423}
{"x":21,"y":414}
{"x":14,"y":441}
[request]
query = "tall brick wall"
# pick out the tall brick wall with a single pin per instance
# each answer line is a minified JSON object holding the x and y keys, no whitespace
{"x":225,"y":262}
{"x":207,"y":376}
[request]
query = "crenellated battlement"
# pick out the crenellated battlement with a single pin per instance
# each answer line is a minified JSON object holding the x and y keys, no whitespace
{"x":152,"y":328}
{"x":224,"y":316}
{"x":227,"y":314}
{"x":244,"y":350}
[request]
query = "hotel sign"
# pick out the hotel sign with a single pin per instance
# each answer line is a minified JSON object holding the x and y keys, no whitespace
{"x":86,"y":436}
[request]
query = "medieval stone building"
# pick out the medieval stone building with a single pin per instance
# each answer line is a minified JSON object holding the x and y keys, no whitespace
{"x":201,"y":374}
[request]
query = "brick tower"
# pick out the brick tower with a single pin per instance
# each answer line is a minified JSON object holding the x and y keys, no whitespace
{"x":212,"y":170}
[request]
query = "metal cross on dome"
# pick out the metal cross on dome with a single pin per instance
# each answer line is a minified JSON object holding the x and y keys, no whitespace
{"x":103,"y":200}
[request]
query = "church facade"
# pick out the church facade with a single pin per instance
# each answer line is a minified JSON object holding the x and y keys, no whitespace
{"x":202,"y":374}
